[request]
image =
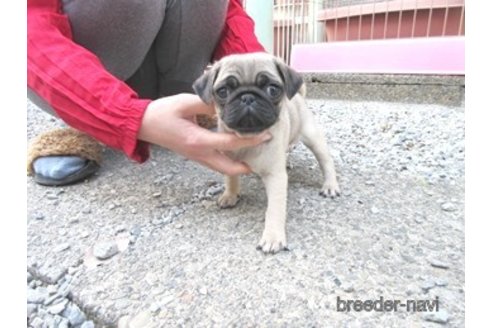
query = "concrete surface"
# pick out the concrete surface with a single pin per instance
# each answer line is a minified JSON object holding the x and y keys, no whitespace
{"x":413,"y":89}
{"x":397,"y":231}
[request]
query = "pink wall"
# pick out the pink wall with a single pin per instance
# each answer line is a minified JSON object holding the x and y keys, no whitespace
{"x":435,"y":55}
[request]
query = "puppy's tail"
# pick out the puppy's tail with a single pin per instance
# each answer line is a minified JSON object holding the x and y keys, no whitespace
{"x":302,"y":90}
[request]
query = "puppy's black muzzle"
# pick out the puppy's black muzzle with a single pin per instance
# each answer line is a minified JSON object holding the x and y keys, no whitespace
{"x":249,"y":112}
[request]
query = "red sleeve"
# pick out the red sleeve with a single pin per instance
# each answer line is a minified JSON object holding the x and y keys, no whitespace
{"x":238,"y":35}
{"x":75,"y":83}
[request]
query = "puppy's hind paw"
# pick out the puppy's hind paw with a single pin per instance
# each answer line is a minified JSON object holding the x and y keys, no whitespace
{"x":272,"y":243}
{"x":227,"y":200}
{"x":330,"y":190}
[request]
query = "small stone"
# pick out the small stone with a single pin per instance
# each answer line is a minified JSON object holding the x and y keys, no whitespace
{"x":62,"y":231}
{"x":441,"y":316}
{"x":214,"y":190}
{"x":38,"y":216}
{"x":203,"y":290}
{"x":49,"y":320}
{"x":157,"y":194}
{"x":167,"y":219}
{"x":155,"y":307}
{"x":88,"y":324}
{"x":427,"y":285}
{"x":374,"y":210}
{"x":105,"y":249}
{"x":29,"y":277}
{"x":122,"y":303}
{"x":407,"y":256}
{"x":31,"y":309}
{"x":441,"y":282}
{"x":64,"y":289}
{"x":52,"y":197}
{"x":37,"y":322}
{"x":58,"y":307}
{"x":36,"y":296}
{"x":124,"y":321}
{"x":51,"y":289}
{"x":135,"y":230}
{"x":73,"y":220}
{"x":53,"y":299}
{"x":85,"y":234}
{"x":74,"y":315}
{"x":141,"y":320}
{"x":132,"y":239}
{"x":51,"y":273}
{"x":157,"y":221}
{"x":176,"y":211}
{"x":448,"y":207}
{"x":439,"y":264}
{"x":429,"y":192}
{"x":112,"y":206}
{"x":61,"y":247}
{"x":419,"y":218}
{"x":133,"y":211}
{"x":179,"y":226}
{"x":167,"y":299}
{"x":370,"y":183}
{"x":158,"y":290}
{"x":73,"y":269}
{"x":348,"y":288}
{"x":61,"y":322}
{"x":120,"y":228}
{"x":412,"y":290}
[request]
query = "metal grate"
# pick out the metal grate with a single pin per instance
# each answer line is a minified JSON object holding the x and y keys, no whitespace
{"x":311,"y":21}
{"x":295,"y":21}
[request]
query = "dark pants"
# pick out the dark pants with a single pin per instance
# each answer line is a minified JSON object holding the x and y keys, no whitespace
{"x":159,"y":47}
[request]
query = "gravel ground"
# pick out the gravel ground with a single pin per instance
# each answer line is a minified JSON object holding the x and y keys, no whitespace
{"x":146,"y":246}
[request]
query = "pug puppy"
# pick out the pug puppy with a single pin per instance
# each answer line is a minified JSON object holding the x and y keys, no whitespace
{"x":254,"y":93}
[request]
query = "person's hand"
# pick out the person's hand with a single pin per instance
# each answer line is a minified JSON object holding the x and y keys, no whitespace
{"x":170,"y":122}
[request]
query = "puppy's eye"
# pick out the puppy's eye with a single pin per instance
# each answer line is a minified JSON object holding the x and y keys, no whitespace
{"x":222,"y":93}
{"x":273,"y":91}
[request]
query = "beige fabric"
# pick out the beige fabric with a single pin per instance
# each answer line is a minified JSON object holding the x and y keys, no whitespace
{"x":206,"y":121}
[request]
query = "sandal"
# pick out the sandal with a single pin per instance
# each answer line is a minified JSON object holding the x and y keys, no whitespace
{"x":62,"y":157}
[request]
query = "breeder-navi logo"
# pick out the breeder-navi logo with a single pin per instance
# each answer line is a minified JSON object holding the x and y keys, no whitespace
{"x":382,"y":305}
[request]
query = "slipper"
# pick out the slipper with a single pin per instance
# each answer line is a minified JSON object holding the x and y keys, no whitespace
{"x":60,"y":170}
{"x":63,"y":156}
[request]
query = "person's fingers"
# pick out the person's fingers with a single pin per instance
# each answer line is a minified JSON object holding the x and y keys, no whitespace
{"x":223,"y":164}
{"x":229,"y":141}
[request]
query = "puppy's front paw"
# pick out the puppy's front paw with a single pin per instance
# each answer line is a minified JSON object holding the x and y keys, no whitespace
{"x":331,"y":189}
{"x":272,"y":242}
{"x":227,"y":200}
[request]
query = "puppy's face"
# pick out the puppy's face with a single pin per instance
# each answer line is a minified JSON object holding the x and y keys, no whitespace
{"x":248,"y":90}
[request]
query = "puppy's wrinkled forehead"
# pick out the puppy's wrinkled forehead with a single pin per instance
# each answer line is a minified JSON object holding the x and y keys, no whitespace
{"x":248,"y":70}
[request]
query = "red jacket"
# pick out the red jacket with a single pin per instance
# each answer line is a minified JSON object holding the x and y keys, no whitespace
{"x":84,"y":94}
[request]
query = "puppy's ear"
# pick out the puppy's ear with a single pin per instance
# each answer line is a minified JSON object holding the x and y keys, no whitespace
{"x":292,"y":79}
{"x":203,"y":86}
